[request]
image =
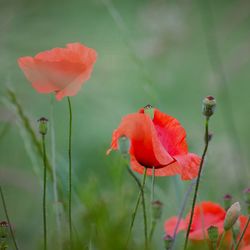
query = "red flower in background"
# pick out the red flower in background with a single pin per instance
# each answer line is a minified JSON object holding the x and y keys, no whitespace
{"x":159,"y":142}
{"x":60,"y":70}
{"x":206,"y":214}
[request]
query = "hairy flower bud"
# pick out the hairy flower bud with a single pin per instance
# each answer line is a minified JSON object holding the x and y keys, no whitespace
{"x":227,"y":201}
{"x":156,"y":209}
{"x":148,"y":109}
{"x":168,"y":240}
{"x":43,"y":125}
{"x":213,"y":234}
{"x":3,"y":229}
{"x":124,"y":145}
{"x":208,"y":107}
{"x":232,"y":215}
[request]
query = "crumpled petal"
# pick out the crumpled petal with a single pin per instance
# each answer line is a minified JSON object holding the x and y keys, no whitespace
{"x":171,"y":223}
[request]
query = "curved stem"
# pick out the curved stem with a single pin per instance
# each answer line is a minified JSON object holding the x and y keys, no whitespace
{"x":70,"y":172}
{"x":144,"y":209}
{"x":221,"y":240}
{"x":141,"y":194}
{"x":243,"y":233}
{"x":197,"y":181}
{"x":8,"y":218}
{"x":44,"y":194}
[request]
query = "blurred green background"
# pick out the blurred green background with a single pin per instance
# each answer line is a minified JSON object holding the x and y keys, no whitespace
{"x":167,"y":53}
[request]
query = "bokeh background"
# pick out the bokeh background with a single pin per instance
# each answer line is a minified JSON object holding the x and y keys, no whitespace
{"x":167,"y":53}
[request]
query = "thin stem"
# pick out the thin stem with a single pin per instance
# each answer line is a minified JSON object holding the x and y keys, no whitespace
{"x":221,"y":240}
{"x":55,"y":187}
{"x":141,"y":194}
{"x":8,"y":218}
{"x":144,"y":209}
{"x":243,"y":233}
{"x":154,"y":222}
{"x":183,"y":205}
{"x":70,"y":172}
{"x":198,"y":181}
{"x":153,"y":185}
{"x":44,"y":194}
{"x":137,"y":202}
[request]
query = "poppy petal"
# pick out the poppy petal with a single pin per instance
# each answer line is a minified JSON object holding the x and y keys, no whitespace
{"x":170,"y":132}
{"x":145,"y":144}
{"x":170,"y":225}
{"x":190,"y":164}
{"x":169,"y":170}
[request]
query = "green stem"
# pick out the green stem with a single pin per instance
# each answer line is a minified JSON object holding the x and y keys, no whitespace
{"x":144,"y":209}
{"x":70,"y":172}
{"x":141,"y":194}
{"x":243,"y":233}
{"x":44,"y":194}
{"x":221,"y":240}
{"x":154,"y":222}
{"x":8,"y":218}
{"x":197,"y":181}
{"x":153,"y":185}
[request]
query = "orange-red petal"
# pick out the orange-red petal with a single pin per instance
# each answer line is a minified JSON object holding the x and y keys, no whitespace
{"x":145,"y":145}
{"x":171,"y":223}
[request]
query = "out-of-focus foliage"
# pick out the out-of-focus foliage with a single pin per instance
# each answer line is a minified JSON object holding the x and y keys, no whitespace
{"x":167,"y":53}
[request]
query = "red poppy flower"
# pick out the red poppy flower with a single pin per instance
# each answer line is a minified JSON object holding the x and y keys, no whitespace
{"x":60,"y":70}
{"x":159,"y":143}
{"x":206,"y":214}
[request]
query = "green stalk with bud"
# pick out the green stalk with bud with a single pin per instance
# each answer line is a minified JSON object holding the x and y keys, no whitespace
{"x":43,"y":131}
{"x":208,"y":108}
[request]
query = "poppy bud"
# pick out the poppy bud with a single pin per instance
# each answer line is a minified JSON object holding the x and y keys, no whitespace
{"x":213,"y":234}
{"x":156,"y":210}
{"x":124,"y":145}
{"x":43,"y":125}
{"x":148,"y":109}
{"x":208,"y":107}
{"x":227,"y":201}
{"x":3,"y":229}
{"x":168,"y":240}
{"x":232,"y":215}
{"x":247,"y":198}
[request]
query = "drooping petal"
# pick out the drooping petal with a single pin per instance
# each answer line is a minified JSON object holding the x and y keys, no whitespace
{"x":145,"y":144}
{"x":189,"y":164}
{"x":169,"y":170}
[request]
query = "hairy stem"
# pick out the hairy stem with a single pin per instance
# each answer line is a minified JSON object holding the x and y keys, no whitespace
{"x":197,"y":181}
{"x":70,"y":172}
{"x":44,"y":194}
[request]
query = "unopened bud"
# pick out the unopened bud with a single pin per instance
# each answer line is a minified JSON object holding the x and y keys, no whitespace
{"x":232,"y":215}
{"x":43,"y":125}
{"x":208,"y":106}
{"x":148,"y":109}
{"x":3,"y":229}
{"x":213,"y":235}
{"x":168,"y":240}
{"x":156,"y":210}
{"x":124,"y":145}
{"x":227,"y":201}
{"x":247,"y":198}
